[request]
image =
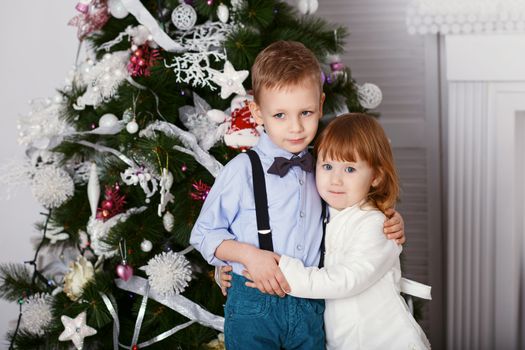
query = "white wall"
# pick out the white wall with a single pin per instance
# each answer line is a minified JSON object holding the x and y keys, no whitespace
{"x":38,"y":49}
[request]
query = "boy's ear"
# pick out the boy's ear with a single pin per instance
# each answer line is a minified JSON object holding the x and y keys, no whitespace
{"x":321,"y":103}
{"x":255,"y":110}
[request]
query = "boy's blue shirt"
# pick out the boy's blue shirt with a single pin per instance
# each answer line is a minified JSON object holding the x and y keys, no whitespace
{"x":229,"y":210}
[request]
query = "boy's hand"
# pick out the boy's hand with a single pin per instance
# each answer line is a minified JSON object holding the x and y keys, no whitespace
{"x":224,"y":278}
{"x":264,"y":271}
{"x":394,"y":227}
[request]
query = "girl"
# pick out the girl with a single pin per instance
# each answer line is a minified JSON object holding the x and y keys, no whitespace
{"x":361,"y":277}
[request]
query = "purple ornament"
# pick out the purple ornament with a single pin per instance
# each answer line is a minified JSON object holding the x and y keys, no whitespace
{"x":337,"y":66}
{"x":124,"y":271}
{"x":323,"y":78}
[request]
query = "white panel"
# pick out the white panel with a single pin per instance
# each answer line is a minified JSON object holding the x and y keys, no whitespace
{"x":486,"y":57}
{"x":485,"y":225}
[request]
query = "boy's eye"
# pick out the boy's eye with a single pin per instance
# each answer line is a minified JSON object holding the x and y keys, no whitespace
{"x":279,"y":115}
{"x":327,"y":167}
{"x":349,"y":169}
{"x":306,"y":113}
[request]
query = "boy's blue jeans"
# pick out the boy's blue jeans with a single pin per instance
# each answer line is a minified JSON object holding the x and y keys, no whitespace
{"x":254,"y":320}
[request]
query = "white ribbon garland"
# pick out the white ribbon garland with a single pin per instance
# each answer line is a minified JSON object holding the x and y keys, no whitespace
{"x":145,"y":18}
{"x":178,"y":303}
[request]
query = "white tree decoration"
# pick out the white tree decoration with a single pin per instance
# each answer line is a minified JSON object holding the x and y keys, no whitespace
{"x":205,"y":44}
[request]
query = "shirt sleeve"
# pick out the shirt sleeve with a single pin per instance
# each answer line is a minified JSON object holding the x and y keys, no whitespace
{"x":370,"y":255}
{"x":220,"y":209}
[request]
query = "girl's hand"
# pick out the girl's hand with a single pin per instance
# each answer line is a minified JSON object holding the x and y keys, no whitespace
{"x":223,"y":278}
{"x":394,"y":227}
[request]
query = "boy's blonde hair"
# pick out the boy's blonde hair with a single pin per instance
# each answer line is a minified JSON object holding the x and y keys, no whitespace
{"x":356,"y":135}
{"x":284,"y":64}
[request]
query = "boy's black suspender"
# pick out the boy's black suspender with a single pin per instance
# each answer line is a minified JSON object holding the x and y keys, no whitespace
{"x":261,"y":208}
{"x":261,"y":202}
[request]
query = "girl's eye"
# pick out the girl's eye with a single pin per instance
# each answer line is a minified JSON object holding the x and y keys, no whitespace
{"x":327,"y":167}
{"x":349,"y":169}
{"x":306,"y":113}
{"x":279,"y":116}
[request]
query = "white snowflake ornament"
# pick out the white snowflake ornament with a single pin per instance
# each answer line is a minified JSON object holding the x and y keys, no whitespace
{"x":36,"y":315}
{"x":76,"y":329}
{"x":52,"y":186}
{"x":168,"y":273}
{"x":230,"y":80}
{"x":166,"y":181}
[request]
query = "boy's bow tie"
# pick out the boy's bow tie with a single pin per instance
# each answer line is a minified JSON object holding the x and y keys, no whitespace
{"x":281,"y":165}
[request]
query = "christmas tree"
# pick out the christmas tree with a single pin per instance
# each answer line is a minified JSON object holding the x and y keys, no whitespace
{"x":123,"y":158}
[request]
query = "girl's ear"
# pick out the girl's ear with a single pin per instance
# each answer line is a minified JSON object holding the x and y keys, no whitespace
{"x":255,"y":110}
{"x":378,"y":178}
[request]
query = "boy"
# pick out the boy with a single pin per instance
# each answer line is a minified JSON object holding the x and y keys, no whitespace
{"x":288,"y":101}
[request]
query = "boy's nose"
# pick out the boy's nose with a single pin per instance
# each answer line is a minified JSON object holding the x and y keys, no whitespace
{"x":296,"y":125}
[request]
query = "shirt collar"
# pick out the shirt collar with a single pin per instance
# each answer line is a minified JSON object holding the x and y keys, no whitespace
{"x":269,"y":149}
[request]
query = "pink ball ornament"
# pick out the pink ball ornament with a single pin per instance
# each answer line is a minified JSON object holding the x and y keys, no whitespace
{"x":124,"y":271}
{"x":134,"y":59}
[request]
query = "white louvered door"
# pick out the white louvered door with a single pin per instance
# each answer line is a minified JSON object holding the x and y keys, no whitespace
{"x":405,"y":67}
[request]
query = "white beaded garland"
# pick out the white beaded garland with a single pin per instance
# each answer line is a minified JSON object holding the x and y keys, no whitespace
{"x":184,"y":17}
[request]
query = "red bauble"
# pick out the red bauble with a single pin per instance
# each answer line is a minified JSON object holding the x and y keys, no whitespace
{"x":108,"y":205}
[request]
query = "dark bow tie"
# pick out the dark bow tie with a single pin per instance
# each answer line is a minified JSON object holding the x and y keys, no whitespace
{"x":281,"y":165}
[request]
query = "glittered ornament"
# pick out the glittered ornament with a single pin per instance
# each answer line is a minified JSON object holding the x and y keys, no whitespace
{"x":93,"y":16}
{"x":200,"y":191}
{"x":229,"y":80}
{"x":76,"y":329}
{"x":184,"y":17}
{"x":146,"y":246}
{"x":141,"y":60}
{"x":112,"y":204}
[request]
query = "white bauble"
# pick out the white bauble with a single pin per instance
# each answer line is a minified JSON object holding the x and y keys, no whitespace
{"x":52,"y":186}
{"x":314,"y":5}
{"x":369,"y":95}
{"x":184,"y":17}
{"x":168,"y":220}
{"x":117,"y":9}
{"x":146,"y":246}
{"x":132,"y":127}
{"x":108,"y":120}
{"x":302,"y":6}
{"x":93,"y":189}
{"x":223,"y":13}
{"x":216,"y":115}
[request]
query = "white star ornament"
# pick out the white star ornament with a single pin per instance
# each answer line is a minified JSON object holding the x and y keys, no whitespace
{"x":230,"y":80}
{"x":76,"y":329}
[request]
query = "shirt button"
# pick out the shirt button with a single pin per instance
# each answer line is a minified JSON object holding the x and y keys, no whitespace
{"x":301,"y":214}
{"x":299,"y":247}
{"x":301,"y":182}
